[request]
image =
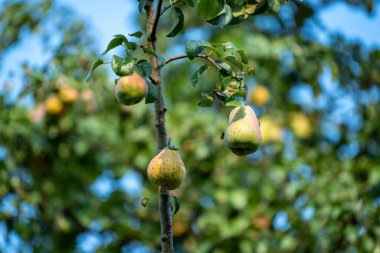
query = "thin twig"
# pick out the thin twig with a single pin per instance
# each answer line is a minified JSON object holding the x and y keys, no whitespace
{"x":169,"y":6}
{"x":203,"y":56}
{"x":156,"y":20}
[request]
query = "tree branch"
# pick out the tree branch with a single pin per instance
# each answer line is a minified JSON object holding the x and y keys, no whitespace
{"x":153,"y":34}
{"x":161,"y":136}
{"x":169,"y":6}
{"x":203,"y":56}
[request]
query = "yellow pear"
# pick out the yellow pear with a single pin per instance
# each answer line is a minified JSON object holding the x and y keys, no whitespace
{"x":259,"y":95}
{"x":273,"y":130}
{"x":53,"y":105}
{"x":243,"y":135}
{"x":167,"y":169}
{"x":301,"y":125}
{"x":68,"y":94}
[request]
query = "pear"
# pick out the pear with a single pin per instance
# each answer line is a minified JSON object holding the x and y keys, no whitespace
{"x":167,"y":169}
{"x":243,"y":135}
{"x":53,"y":105}
{"x":130,"y":90}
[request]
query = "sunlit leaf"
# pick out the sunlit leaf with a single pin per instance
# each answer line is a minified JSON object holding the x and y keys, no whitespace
{"x":235,"y":103}
{"x":115,"y":42}
{"x":122,"y":66}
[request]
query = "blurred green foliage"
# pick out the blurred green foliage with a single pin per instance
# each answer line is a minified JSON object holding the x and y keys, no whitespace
{"x":313,"y":187}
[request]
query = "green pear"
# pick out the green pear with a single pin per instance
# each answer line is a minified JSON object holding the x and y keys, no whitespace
{"x":130,"y":90}
{"x":243,"y":135}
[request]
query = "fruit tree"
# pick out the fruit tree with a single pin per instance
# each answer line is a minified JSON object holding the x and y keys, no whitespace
{"x":242,"y":136}
{"x":217,"y":126}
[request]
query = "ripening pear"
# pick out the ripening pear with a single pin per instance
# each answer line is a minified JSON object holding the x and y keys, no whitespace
{"x":301,"y":125}
{"x":53,"y":105}
{"x":243,"y":135}
{"x":130,"y":90}
{"x":259,"y":96}
{"x":167,"y":169}
{"x":68,"y":94}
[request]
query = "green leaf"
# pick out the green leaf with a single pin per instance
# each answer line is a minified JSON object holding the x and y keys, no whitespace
{"x":235,"y":103}
{"x":226,"y":69}
{"x":131,"y":45}
{"x":96,"y":64}
{"x":238,"y":95}
{"x":192,"y":49}
{"x":125,"y":40}
{"x":229,"y":46}
{"x":202,"y":69}
{"x":144,"y":201}
{"x":179,"y":26}
{"x":194,"y":77}
{"x":210,"y":9}
{"x":144,"y":67}
{"x":204,"y":44}
{"x":142,"y":5}
{"x":138,"y":34}
{"x":223,"y":18}
{"x":176,"y":205}
{"x":159,"y":57}
{"x":190,"y":3}
{"x":218,"y":51}
{"x":152,"y":94}
{"x":243,"y":57}
{"x":221,"y":96}
{"x":115,"y":42}
{"x":195,"y":47}
{"x":122,"y":66}
{"x":232,"y":60}
{"x":206,"y":100}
